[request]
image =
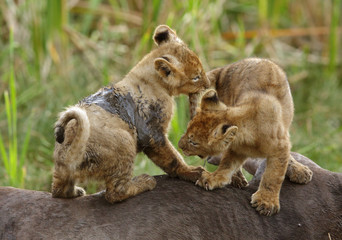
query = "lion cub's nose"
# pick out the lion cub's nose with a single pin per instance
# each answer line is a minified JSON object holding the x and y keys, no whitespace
{"x":181,"y":143}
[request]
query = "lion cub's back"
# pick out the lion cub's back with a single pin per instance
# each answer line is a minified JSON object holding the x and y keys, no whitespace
{"x":253,"y":74}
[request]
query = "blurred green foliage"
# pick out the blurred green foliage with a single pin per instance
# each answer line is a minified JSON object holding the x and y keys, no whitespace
{"x":65,"y":50}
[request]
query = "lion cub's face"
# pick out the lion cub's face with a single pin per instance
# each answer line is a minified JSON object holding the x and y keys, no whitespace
{"x":178,"y":66}
{"x":209,"y":132}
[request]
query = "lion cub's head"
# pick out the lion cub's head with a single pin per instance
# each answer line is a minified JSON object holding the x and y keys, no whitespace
{"x":179,"y":68}
{"x":209,"y":132}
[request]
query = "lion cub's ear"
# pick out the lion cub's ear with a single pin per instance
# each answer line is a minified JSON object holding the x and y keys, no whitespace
{"x":166,"y":71}
{"x":211,"y":102}
{"x":164,"y":34}
{"x":163,"y":67}
{"x":223,"y":133}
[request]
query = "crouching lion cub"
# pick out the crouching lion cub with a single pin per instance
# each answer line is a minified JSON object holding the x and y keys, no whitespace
{"x":100,"y":136}
{"x":253,"y":120}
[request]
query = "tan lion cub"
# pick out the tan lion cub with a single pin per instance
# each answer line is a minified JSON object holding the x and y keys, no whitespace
{"x":253,"y":120}
{"x":100,"y":136}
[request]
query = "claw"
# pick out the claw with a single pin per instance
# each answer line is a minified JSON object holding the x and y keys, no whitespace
{"x":254,"y":204}
{"x":260,"y":208}
{"x":197,"y":182}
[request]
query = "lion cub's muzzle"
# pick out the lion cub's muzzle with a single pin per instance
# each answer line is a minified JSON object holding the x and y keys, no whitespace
{"x":184,"y":145}
{"x":181,"y":143}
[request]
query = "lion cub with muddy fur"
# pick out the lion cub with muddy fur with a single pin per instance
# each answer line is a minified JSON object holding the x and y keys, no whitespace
{"x":100,"y":136}
{"x":249,"y":116}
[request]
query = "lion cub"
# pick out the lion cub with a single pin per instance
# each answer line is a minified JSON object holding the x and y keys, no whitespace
{"x":100,"y":136}
{"x":253,"y":120}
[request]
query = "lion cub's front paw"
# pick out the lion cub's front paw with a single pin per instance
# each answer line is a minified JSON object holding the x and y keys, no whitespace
{"x":191,"y":173}
{"x":265,"y":203}
{"x":210,"y":181}
{"x":299,"y":173}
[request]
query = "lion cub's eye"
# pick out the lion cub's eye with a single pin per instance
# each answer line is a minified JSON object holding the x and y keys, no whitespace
{"x":195,"y":79}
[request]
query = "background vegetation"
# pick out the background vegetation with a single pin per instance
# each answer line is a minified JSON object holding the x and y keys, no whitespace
{"x":55,"y":52}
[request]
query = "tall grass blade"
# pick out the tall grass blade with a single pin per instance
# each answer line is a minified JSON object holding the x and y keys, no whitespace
{"x":12,"y":163}
{"x":241,"y":40}
{"x":333,"y":46}
{"x":57,"y":15}
{"x":4,"y":155}
{"x":279,"y":8}
{"x":88,"y":18}
{"x":13,"y":112}
{"x":156,"y":9}
{"x":22,"y":172}
{"x":263,"y":12}
{"x":54,"y":17}
{"x":37,"y":35}
{"x":8,"y":114}
{"x":13,"y":166}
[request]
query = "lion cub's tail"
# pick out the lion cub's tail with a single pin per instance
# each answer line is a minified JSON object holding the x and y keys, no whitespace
{"x":77,"y":148}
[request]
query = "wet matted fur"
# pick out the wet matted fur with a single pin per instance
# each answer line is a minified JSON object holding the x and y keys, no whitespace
{"x":100,"y":136}
{"x":249,"y":116}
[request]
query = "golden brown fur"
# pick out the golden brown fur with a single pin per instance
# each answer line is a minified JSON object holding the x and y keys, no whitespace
{"x":249,"y":116}
{"x":100,"y":136}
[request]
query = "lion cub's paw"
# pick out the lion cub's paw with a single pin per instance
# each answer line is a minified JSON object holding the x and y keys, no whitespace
{"x":79,"y":192}
{"x":299,"y":173}
{"x":68,"y":192}
{"x":210,"y":181}
{"x":191,"y":173}
{"x":146,"y":182}
{"x":119,"y":192}
{"x":239,"y":181}
{"x":264,"y":203}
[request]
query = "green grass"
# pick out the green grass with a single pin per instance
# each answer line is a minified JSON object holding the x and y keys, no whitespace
{"x":333,"y":37}
{"x":13,"y":159}
{"x":60,"y":53}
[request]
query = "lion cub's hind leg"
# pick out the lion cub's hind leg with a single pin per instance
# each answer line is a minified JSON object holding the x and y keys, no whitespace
{"x":298,"y":172}
{"x":120,"y":189}
{"x":117,"y":169}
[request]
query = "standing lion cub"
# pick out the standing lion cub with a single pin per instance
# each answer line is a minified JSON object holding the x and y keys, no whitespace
{"x":249,"y":116}
{"x":100,"y":136}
